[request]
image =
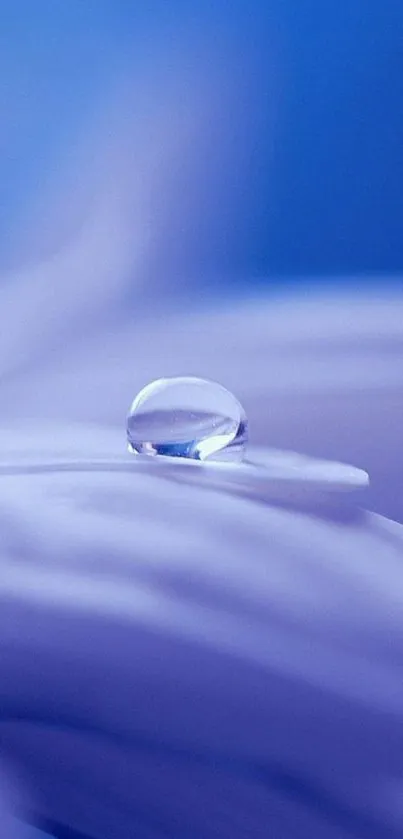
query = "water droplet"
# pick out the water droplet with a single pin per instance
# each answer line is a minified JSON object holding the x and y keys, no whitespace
{"x":187,"y":417}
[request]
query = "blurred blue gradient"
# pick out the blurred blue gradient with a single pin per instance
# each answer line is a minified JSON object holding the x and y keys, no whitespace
{"x":155,"y":158}
{"x":301,"y":158}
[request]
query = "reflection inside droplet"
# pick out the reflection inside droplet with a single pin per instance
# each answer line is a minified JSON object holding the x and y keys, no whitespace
{"x":187,"y":417}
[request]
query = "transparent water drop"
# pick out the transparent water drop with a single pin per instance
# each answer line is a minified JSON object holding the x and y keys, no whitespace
{"x":187,"y":417}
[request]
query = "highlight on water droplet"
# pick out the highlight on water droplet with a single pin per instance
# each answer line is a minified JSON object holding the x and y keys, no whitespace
{"x":187,"y":417}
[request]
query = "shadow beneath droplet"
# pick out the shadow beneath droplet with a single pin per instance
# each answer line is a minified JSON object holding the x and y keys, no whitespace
{"x":341,"y":510}
{"x":324,"y":504}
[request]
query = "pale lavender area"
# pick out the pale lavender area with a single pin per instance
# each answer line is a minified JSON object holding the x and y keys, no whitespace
{"x":178,"y":661}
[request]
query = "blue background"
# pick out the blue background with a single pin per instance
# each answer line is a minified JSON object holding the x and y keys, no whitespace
{"x":313,"y":184}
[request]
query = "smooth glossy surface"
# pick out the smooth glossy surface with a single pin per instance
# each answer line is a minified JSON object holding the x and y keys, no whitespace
{"x":187,"y":417}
